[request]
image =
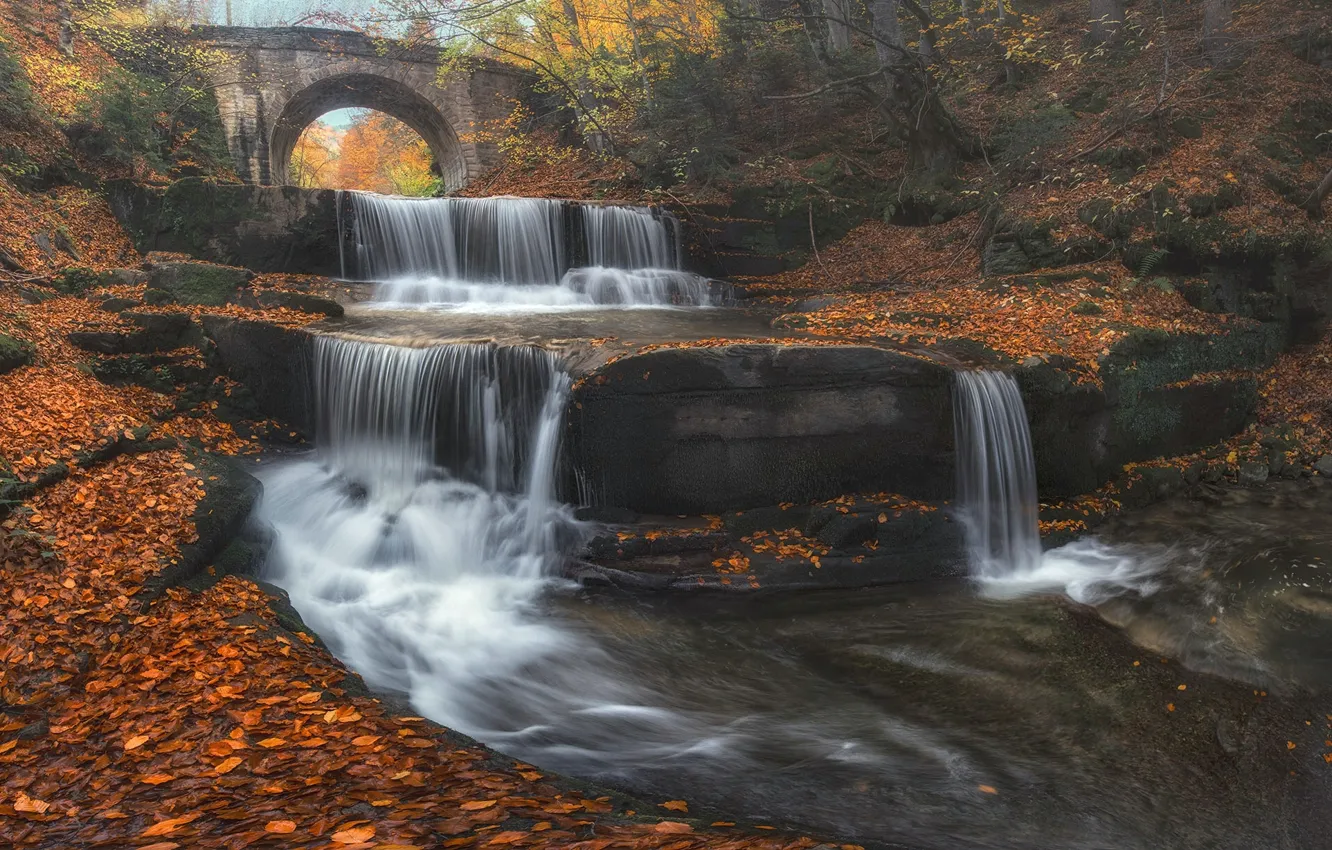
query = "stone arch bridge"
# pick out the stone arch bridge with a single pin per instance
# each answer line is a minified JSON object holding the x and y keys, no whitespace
{"x":271,"y":83}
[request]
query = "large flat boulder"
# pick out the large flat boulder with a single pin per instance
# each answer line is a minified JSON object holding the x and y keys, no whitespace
{"x":701,"y":430}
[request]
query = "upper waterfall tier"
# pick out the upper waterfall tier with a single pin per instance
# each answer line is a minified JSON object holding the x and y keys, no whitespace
{"x":499,"y":240}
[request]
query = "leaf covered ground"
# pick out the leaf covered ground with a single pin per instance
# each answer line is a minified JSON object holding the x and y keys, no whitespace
{"x":133,"y":717}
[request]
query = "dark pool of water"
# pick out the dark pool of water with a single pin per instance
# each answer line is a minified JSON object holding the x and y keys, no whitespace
{"x":930,"y":716}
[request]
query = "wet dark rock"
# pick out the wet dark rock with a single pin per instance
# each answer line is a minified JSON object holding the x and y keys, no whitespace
{"x":117,"y":305}
{"x":99,"y":342}
{"x":300,"y":301}
{"x":155,"y":332}
{"x":1194,"y":473}
{"x":607,"y":514}
{"x":846,"y":530}
{"x":743,"y":523}
{"x":128,"y":277}
{"x":272,"y":362}
{"x":265,"y":228}
{"x":36,"y":296}
{"x":219,"y":517}
{"x":1252,"y":473}
{"x":1149,"y":404}
{"x":1323,"y":466}
{"x":688,"y":431}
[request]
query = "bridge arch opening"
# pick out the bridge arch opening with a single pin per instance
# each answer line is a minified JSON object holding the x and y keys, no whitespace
{"x":364,"y":149}
{"x":366,"y":91}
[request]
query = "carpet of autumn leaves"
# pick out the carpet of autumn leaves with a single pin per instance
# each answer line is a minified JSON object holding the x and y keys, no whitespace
{"x":129,"y":719}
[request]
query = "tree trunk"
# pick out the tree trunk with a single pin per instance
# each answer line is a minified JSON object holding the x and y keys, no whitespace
{"x":1107,"y":20}
{"x":1314,"y":206}
{"x":934,"y":139}
{"x":838,"y":14}
{"x":888,"y":44}
{"x":1217,"y":42}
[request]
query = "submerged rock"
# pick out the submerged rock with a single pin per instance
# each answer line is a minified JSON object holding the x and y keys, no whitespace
{"x":1253,"y":473}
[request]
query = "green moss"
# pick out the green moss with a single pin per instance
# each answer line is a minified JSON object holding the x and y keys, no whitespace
{"x":1088,"y":308}
{"x":77,"y":280}
{"x":14,"y":353}
{"x":199,"y":283}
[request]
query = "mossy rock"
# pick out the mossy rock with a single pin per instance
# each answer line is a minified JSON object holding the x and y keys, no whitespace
{"x":1088,"y":308}
{"x":14,"y":353}
{"x":1090,"y":100}
{"x":1019,"y":246}
{"x":1188,"y":127}
{"x":204,"y":284}
{"x":1123,"y":161}
{"x":77,"y":280}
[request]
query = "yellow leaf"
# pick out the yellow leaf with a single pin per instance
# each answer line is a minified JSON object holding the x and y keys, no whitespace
{"x":136,"y":742}
{"x":281,"y":827}
{"x":355,"y":835}
{"x":676,"y":805}
{"x":24,"y":803}
{"x":228,"y":765}
{"x":671,"y":827}
{"x":157,"y":778}
{"x":306,"y":699}
{"x":364,"y":740}
{"x":270,"y":743}
{"x":476,"y":805}
{"x":987,"y":789}
{"x":507,"y":837}
{"x":168,"y":825}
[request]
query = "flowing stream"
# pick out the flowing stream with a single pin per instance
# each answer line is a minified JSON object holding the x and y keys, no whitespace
{"x":422,"y":540}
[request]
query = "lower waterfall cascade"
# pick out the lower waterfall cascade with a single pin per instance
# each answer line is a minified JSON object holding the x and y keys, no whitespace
{"x":997,"y":500}
{"x":423,"y":539}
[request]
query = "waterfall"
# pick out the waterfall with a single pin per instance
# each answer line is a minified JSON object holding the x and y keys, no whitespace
{"x":996,"y":476}
{"x":508,"y":240}
{"x":631,"y":238}
{"x":516,"y":253}
{"x":425,"y":523}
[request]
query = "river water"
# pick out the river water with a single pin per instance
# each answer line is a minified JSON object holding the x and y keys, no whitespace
{"x":1163,"y":686}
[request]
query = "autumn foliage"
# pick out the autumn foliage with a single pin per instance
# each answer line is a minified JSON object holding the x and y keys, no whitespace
{"x":376,"y":153}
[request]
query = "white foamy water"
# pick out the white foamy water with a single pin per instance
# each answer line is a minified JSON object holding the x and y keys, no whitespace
{"x":996,"y":489}
{"x":516,"y":254}
{"x":579,"y":289}
{"x":421,"y":537}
